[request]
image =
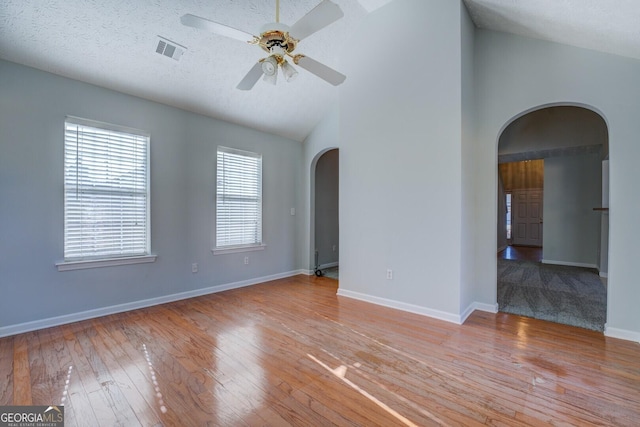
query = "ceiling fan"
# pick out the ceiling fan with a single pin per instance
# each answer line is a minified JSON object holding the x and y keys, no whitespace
{"x":279,"y":41}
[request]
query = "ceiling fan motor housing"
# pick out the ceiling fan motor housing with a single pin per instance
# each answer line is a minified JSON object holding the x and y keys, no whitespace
{"x":275,"y":36}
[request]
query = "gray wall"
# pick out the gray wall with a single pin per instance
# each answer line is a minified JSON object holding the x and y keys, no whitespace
{"x":515,"y":75}
{"x":400,"y":159}
{"x":280,"y":175}
{"x":324,"y":137}
{"x":468,"y":223}
{"x":571,"y":228}
{"x":603,"y":267}
{"x":33,"y":107}
{"x":327,"y":208}
{"x":604,"y":222}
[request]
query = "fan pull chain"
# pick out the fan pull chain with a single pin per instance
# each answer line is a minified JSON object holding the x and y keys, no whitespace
{"x":277,"y":10}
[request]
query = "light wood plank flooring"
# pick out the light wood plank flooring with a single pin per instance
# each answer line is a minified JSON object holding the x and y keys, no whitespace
{"x":291,"y":352}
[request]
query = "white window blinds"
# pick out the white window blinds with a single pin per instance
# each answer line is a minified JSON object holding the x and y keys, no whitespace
{"x":106,"y":191}
{"x":239,"y":198}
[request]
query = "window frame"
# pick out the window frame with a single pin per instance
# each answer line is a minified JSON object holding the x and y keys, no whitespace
{"x":245,"y":247}
{"x":87,"y":261}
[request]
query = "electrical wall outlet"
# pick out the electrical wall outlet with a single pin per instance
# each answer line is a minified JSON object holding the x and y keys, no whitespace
{"x":246,"y":260}
{"x":194,"y":267}
{"x":389,"y":274}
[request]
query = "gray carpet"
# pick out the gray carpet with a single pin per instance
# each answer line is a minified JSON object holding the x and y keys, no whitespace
{"x":569,"y":295}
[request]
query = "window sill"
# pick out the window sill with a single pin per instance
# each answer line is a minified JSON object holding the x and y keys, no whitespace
{"x":95,"y":263}
{"x":238,"y":249}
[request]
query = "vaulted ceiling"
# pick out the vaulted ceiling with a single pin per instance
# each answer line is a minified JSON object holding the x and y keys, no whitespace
{"x":604,"y":25}
{"x":112,"y":43}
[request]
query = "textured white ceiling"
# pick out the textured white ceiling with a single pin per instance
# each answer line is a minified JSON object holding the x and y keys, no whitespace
{"x":611,"y":26}
{"x":112,"y":43}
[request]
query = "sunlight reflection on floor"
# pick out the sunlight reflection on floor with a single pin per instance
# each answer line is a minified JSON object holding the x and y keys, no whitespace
{"x":156,"y":386}
{"x":246,"y":375}
{"x":341,"y":372}
{"x":65,"y":393}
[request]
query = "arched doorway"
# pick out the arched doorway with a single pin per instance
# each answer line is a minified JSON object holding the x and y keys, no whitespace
{"x":552,"y":223}
{"x":325,"y":213}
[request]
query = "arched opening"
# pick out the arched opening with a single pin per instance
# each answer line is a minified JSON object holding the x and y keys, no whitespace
{"x":325,"y":213}
{"x":552,"y":216}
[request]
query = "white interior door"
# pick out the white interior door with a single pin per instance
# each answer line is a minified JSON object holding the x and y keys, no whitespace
{"x":527,"y":217}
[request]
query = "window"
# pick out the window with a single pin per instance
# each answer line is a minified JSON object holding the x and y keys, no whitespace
{"x":106,"y":192}
{"x":238,"y":200}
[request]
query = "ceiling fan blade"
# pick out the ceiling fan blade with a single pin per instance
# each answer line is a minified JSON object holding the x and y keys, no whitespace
{"x":328,"y":74}
{"x":319,"y":17}
{"x":249,"y":81}
{"x":216,"y":28}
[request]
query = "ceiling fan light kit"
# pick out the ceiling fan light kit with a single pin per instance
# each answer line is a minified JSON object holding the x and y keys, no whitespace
{"x":270,"y":66}
{"x":289,"y":72}
{"x":271,"y":78}
{"x":280,"y":40}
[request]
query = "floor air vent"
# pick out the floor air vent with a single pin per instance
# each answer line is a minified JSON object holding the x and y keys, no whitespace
{"x":169,"y":48}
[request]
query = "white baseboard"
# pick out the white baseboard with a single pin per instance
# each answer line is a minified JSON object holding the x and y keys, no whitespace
{"x":424,"y":311}
{"x":622,"y":334}
{"x":569,"y":264}
{"x":6,"y":331}
{"x":502,"y":248}
{"x":329,"y":265}
{"x":489,"y":308}
{"x":604,"y":274}
{"x":411,"y":308}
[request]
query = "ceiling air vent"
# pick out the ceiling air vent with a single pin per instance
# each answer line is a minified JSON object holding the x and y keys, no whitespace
{"x":169,"y":48}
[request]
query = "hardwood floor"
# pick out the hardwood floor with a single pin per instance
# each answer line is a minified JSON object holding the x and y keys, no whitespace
{"x":523,"y":253}
{"x":291,"y":352}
